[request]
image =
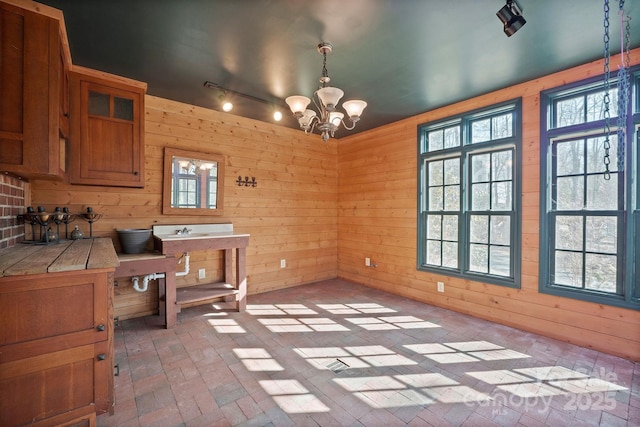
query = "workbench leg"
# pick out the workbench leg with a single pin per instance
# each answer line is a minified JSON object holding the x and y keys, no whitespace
{"x":241,"y":277}
{"x":162,"y":299}
{"x":228,"y":266}
{"x":171,"y":309}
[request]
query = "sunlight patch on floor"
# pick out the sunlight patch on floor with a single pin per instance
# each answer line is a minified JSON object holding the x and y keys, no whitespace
{"x":465,"y":352}
{"x":384,"y":399}
{"x":354,"y":356}
{"x":390,"y":322}
{"x":286,"y":324}
{"x":370,"y":383}
{"x":257,"y":359}
{"x":545,"y":381}
{"x":292,"y":397}
{"x":323,"y":324}
{"x":409,"y":390}
{"x":356,"y":308}
{"x":226,"y":326}
{"x":278,"y":309}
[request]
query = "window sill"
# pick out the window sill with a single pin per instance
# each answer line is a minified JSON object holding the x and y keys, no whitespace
{"x":590,"y":296}
{"x":476,"y":277}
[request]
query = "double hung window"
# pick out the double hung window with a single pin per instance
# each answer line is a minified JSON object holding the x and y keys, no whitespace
{"x":589,"y":193}
{"x":468,"y":212}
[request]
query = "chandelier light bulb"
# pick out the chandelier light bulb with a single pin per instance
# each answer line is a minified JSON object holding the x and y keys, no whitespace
{"x":306,"y":118}
{"x":330,"y":96}
{"x":227,"y":106}
{"x":354,"y":108}
{"x":335,"y":118}
{"x":297,"y":103}
{"x":277,"y":116}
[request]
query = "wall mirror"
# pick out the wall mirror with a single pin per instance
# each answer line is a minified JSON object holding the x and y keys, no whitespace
{"x":193,"y":183}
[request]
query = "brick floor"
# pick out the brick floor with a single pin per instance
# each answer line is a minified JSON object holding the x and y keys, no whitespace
{"x":338,"y":354}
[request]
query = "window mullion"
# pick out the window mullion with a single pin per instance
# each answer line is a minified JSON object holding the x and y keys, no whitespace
{"x":465,"y":237}
{"x":584,"y":251}
{"x":620,"y":252}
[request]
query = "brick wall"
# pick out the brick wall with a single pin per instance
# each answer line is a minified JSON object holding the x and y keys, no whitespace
{"x":12,"y":203}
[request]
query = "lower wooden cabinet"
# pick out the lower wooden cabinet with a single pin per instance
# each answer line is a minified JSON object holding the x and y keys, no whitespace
{"x":56,"y":348}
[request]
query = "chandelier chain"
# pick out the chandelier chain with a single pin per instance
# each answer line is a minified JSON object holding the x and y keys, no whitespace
{"x":607,"y":87}
{"x":623,"y":85}
{"x":627,"y":40}
{"x":325,"y":73}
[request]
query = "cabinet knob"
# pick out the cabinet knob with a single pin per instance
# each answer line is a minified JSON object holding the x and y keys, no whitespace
{"x":136,"y":173}
{"x":100,"y":328}
{"x":102,"y":356}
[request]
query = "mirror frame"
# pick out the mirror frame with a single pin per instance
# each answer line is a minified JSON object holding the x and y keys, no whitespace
{"x":169,"y":154}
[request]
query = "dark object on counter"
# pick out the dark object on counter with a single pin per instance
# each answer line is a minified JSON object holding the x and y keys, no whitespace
{"x":77,"y":234}
{"x":134,"y":240}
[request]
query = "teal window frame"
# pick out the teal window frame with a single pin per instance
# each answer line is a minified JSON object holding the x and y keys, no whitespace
{"x":212,"y":191}
{"x":186,"y":186}
{"x":626,"y":210}
{"x":462,"y":240}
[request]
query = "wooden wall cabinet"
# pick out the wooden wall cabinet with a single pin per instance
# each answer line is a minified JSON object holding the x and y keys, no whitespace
{"x":107,"y":129}
{"x":32,"y":74}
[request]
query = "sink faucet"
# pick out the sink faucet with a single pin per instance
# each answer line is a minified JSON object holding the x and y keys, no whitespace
{"x":184,"y":231}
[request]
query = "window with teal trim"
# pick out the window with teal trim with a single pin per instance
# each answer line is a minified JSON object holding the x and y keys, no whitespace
{"x":469,"y":216}
{"x":589,"y":195}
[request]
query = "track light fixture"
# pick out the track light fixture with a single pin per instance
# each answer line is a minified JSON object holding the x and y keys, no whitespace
{"x":227,"y":105}
{"x":511,"y":17}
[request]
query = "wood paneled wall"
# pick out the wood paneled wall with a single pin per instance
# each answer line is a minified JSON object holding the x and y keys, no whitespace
{"x":377,"y":218}
{"x":291,"y":214}
{"x":325,"y":207}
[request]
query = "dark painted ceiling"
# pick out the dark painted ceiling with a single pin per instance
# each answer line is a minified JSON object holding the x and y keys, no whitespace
{"x":403,"y":57}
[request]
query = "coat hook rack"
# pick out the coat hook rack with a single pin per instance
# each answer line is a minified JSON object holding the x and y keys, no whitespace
{"x":246,"y":182}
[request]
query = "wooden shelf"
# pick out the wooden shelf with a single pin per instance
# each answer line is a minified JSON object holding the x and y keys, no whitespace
{"x":204,"y":292}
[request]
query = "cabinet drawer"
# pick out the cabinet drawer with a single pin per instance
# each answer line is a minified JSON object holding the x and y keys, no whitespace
{"x":48,"y":385}
{"x":52,"y":314}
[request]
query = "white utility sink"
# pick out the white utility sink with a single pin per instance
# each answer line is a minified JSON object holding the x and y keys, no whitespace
{"x":181,"y":236}
{"x":193,"y":231}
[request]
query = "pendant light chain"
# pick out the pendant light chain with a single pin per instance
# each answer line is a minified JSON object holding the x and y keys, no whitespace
{"x":325,"y":73}
{"x":607,"y":87}
{"x":623,"y":84}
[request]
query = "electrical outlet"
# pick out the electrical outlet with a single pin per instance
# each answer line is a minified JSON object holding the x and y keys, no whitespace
{"x":440,"y":286}
{"x":367,"y":262}
{"x":283,"y":263}
{"x":202,"y":273}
